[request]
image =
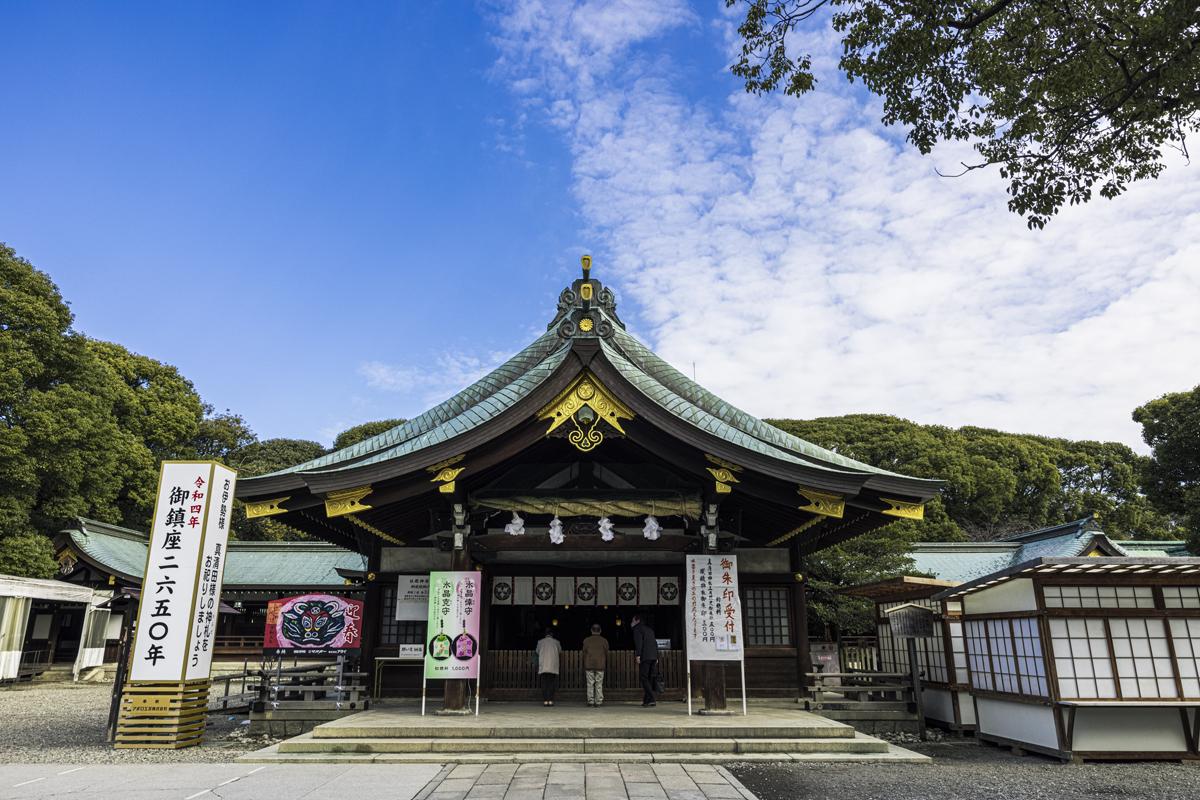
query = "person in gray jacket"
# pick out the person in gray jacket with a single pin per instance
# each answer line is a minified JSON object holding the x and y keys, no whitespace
{"x":645,"y":651}
{"x":548,"y":651}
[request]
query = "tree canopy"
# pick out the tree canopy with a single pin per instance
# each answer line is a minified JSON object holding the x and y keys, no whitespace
{"x":1067,"y":97}
{"x":1171,"y":426}
{"x":366,"y":430}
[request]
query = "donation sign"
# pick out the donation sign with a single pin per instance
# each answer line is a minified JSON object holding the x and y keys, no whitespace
{"x":452,"y":649}
{"x":313,"y":625}
{"x":713,"y":609}
{"x":412,"y":597}
{"x":185,"y":566}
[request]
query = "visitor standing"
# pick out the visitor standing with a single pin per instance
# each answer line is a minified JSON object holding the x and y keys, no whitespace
{"x":548,"y":650}
{"x":645,"y":651}
{"x":595,"y":661}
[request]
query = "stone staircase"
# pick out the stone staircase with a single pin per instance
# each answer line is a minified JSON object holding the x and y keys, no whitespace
{"x":625,"y":734}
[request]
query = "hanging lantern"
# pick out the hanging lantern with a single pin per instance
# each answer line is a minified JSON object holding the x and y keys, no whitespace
{"x":516,"y":527}
{"x":606,"y":529}
{"x":556,"y":530}
{"x":652,"y":530}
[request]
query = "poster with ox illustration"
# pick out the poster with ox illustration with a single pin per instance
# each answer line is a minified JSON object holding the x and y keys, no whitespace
{"x":314,"y":625}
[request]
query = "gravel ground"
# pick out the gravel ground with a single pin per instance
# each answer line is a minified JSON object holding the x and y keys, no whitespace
{"x":966,"y":770}
{"x":63,"y":723}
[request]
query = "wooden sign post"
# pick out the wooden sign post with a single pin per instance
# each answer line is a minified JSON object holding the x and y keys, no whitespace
{"x":165,"y":702}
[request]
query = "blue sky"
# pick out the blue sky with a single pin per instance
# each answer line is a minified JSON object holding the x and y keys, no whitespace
{"x":368,"y":204}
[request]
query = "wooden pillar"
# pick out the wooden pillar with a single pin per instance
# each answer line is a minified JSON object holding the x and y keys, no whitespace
{"x":372,"y":608}
{"x":714,"y":686}
{"x":800,"y":620}
{"x":456,"y":690}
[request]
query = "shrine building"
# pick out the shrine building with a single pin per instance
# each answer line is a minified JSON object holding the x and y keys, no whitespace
{"x":638,"y":464}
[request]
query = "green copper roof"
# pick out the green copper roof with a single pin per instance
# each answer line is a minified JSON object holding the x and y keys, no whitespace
{"x":585,"y":318}
{"x":284,"y":564}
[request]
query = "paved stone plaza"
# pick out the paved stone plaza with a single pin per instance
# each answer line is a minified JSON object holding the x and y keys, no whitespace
{"x":395,"y":782}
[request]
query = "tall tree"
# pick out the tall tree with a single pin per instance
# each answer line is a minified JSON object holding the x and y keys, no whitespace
{"x":1171,"y":426}
{"x":62,"y":452}
{"x":366,"y":430}
{"x":1067,"y":97}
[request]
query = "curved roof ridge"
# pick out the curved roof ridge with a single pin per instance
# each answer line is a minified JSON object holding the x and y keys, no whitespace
{"x":656,"y":367}
{"x":504,"y":375}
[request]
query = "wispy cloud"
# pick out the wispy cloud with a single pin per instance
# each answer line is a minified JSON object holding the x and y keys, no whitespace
{"x":431,"y":382}
{"x":811,"y":263}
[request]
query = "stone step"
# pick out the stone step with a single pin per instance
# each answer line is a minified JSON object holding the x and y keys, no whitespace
{"x":731,"y":746}
{"x":347,"y":729}
{"x":852,"y":705}
{"x":892,"y":754}
{"x":847,"y":715}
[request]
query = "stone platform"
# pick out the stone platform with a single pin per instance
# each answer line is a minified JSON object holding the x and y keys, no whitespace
{"x":627,"y":733}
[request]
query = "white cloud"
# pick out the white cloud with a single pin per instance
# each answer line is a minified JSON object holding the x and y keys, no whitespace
{"x":432,"y":382}
{"x":811,"y":263}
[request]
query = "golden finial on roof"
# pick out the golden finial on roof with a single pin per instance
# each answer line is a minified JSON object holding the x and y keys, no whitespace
{"x":587,"y":266}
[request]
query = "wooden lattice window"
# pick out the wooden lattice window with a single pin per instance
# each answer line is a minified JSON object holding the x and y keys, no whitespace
{"x":392,"y":630}
{"x":767,"y":619}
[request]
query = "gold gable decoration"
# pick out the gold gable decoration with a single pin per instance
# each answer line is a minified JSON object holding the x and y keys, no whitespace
{"x":346,"y":501}
{"x":266,"y":508}
{"x":585,"y":403}
{"x":903,"y":509}
{"x":723,"y":473}
{"x":445,"y":472}
{"x":823,"y":503}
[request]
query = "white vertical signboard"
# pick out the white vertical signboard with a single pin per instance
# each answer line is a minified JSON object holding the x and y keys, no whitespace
{"x":190,"y":529}
{"x":211,"y":573}
{"x":713,"y":614}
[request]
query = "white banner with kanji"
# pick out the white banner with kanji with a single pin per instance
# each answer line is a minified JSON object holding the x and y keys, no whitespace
{"x":190,"y":529}
{"x":713,"y":609}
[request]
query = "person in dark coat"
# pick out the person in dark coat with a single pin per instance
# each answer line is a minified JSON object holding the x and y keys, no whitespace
{"x":645,"y":651}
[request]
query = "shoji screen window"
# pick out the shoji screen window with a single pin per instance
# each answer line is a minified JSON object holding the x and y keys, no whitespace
{"x":1186,"y":636}
{"x":979,"y":655}
{"x":1143,"y":657}
{"x":1004,"y":665}
{"x":1030,"y":662}
{"x":1081,"y":659}
{"x":958,"y":648}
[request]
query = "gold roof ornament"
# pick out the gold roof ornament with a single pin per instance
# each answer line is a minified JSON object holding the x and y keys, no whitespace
{"x":585,"y":402}
{"x":346,"y":501}
{"x":903,"y":509}
{"x":824,"y":503}
{"x":266,"y":508}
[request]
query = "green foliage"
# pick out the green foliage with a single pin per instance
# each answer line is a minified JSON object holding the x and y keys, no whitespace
{"x":364,"y":431}
{"x":1171,"y":426}
{"x":871,"y":557}
{"x":83,"y":423}
{"x":260,"y":458}
{"x":27,"y":555}
{"x":997,"y":483}
{"x":1069,"y":98}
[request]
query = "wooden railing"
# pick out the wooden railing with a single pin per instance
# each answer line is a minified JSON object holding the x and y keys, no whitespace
{"x":516,"y":671}
{"x":237,"y":645}
{"x":859,"y":654}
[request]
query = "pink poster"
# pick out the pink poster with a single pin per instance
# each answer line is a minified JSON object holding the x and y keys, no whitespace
{"x":314,"y":624}
{"x":452,"y":649}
